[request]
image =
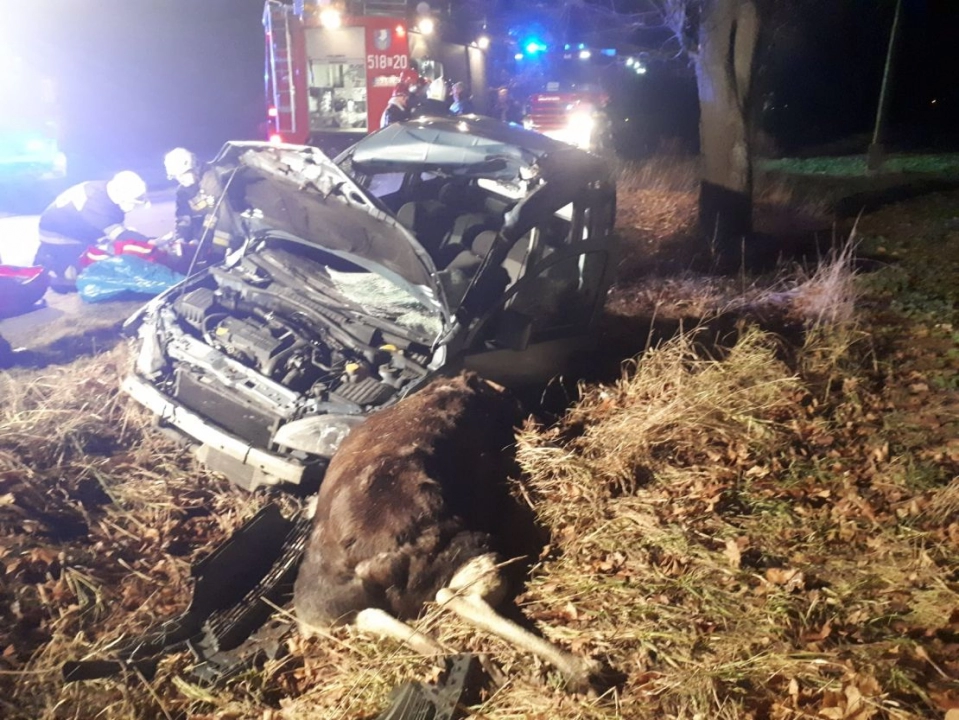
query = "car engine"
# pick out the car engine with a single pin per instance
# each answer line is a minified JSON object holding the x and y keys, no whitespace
{"x":253,"y":348}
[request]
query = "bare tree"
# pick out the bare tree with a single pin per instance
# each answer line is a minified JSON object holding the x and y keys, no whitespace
{"x":720,"y":37}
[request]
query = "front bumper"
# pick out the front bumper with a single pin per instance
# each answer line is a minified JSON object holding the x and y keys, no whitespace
{"x":247,"y":466}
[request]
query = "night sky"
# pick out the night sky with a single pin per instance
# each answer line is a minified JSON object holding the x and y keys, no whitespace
{"x":827,"y":62}
{"x":137,"y":77}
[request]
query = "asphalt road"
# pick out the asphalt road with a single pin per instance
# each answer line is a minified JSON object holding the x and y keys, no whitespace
{"x":59,"y":316}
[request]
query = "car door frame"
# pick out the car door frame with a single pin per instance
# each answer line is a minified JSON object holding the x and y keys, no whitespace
{"x":542,"y":357}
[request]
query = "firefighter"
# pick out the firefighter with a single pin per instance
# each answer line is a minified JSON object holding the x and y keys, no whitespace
{"x":192,"y":204}
{"x":419,"y":93}
{"x":416,"y":85}
{"x":462,"y":102}
{"x":195,"y":224}
{"x":89,"y":213}
{"x":397,"y":109}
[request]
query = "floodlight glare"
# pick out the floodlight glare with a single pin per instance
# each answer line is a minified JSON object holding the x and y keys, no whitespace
{"x":331,"y":18}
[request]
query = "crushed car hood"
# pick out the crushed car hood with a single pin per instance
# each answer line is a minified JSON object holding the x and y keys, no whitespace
{"x":297,"y":190}
{"x":471,"y":145}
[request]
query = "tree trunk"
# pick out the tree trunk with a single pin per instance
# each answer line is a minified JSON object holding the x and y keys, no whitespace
{"x":728,"y":33}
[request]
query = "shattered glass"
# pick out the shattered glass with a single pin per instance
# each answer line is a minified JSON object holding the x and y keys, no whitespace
{"x":384,"y":300}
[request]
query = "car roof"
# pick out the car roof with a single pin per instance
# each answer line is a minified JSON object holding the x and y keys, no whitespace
{"x":470,"y":145}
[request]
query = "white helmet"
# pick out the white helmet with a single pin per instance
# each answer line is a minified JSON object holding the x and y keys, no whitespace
{"x":127,"y":190}
{"x":178,"y":162}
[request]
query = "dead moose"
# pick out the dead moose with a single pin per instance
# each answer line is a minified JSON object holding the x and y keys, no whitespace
{"x":414,"y":507}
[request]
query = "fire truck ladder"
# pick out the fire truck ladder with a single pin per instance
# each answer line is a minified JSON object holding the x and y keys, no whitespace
{"x":277,"y":21}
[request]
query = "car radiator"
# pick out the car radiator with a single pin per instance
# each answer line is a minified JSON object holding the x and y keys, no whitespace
{"x":226,"y":408}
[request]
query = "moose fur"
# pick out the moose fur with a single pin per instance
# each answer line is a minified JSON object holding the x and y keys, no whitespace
{"x":413,"y":508}
{"x":410,"y":496}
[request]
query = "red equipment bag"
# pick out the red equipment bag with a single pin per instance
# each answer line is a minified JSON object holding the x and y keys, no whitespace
{"x":21,"y":288}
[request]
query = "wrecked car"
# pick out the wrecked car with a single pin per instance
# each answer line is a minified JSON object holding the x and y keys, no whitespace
{"x":429,"y":247}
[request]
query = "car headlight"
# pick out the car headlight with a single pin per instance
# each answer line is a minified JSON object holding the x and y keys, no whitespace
{"x":36,"y":145}
{"x":318,"y":434}
{"x":579,"y":128}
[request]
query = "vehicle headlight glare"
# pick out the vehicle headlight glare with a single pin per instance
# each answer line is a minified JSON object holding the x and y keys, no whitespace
{"x":36,"y":145}
{"x":581,"y":124}
{"x":331,"y":18}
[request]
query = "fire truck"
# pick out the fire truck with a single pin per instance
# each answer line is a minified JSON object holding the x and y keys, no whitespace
{"x":331,"y":67}
{"x":573,"y":115}
{"x":571,"y":102}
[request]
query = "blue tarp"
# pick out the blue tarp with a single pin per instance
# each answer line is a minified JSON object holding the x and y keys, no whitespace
{"x":124,"y":277}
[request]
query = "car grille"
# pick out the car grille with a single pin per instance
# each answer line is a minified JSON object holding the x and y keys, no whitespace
{"x":222,"y":406}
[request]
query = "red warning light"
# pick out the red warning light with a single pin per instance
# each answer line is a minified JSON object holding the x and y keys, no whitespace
{"x":272,"y":112}
{"x":276,"y":139}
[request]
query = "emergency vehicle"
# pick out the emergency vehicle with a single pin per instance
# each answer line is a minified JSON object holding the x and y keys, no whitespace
{"x":29,"y":144}
{"x":573,"y":115}
{"x":331,"y":68}
{"x":571,"y":103}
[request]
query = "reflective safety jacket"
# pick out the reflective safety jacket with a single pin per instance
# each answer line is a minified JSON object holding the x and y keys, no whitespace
{"x":84,"y":213}
{"x":193,"y":205}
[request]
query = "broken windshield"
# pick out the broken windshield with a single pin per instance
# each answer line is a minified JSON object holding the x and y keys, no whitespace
{"x":386,"y":301}
{"x":299,"y":191}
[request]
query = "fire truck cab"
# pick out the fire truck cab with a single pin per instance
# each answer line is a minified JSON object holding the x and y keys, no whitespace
{"x":568,"y":93}
{"x":331,"y":67}
{"x":574,"y":115}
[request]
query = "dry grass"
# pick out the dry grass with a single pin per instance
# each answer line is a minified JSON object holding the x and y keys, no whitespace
{"x":100,"y":523}
{"x":657,"y":206}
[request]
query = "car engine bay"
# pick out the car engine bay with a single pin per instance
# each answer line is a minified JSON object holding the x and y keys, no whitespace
{"x":274,"y":338}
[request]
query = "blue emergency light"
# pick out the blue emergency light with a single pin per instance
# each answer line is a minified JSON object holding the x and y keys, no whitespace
{"x":533,"y":46}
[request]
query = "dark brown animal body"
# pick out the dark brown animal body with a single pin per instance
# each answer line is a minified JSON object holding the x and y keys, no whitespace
{"x":410,"y":496}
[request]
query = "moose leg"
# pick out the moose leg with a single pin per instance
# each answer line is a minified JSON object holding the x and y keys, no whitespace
{"x":378,"y":622}
{"x":466,"y":596}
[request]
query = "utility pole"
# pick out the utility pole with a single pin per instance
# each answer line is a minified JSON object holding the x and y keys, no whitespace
{"x":876,"y":150}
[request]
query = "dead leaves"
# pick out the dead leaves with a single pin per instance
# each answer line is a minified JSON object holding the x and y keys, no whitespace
{"x":788,"y":579}
{"x":734,"y":551}
{"x":854,"y":702}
